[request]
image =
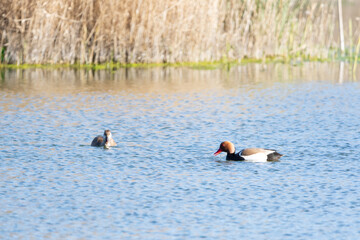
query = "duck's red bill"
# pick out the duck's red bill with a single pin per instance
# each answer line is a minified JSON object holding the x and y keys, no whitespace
{"x":218,"y":152}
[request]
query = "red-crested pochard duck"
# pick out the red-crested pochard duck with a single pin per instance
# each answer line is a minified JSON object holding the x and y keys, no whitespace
{"x":248,"y":154}
{"x":104,"y":141}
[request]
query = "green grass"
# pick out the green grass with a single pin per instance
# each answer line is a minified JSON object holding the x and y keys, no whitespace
{"x":223,"y":63}
{"x":2,"y":54}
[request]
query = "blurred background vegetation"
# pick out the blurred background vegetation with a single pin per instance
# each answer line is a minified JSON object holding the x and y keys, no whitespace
{"x":172,"y":31}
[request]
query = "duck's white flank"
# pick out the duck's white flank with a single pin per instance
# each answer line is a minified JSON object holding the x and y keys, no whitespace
{"x":258,"y":157}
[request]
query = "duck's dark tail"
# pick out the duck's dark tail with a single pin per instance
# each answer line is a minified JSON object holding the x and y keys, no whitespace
{"x":275,"y":156}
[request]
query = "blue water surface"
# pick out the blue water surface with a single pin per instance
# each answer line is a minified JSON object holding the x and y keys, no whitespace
{"x":162,"y":181}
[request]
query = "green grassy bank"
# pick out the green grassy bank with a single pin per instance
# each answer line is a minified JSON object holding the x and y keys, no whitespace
{"x":205,"y":65}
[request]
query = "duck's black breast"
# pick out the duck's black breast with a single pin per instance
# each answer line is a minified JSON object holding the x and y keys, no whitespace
{"x":234,"y":157}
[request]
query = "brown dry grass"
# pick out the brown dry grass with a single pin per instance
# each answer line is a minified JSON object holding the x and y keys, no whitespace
{"x":132,"y":31}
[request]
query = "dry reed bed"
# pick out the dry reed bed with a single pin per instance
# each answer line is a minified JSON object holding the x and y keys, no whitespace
{"x":133,"y":31}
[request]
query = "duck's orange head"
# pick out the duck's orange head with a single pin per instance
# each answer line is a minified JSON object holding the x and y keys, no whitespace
{"x":227,"y":147}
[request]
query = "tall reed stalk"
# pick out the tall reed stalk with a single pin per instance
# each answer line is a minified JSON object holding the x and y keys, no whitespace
{"x":133,"y":31}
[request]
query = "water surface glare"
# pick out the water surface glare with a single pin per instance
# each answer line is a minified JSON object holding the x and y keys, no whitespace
{"x":162,"y":180}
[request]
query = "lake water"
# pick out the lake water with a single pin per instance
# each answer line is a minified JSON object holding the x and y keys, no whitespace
{"x":162,"y":181}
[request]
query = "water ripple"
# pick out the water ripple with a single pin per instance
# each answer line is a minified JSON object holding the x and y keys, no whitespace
{"x":162,"y":181}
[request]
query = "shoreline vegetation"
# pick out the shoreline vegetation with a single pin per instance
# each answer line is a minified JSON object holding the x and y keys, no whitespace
{"x":195,"y":65}
{"x":200,"y":34}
